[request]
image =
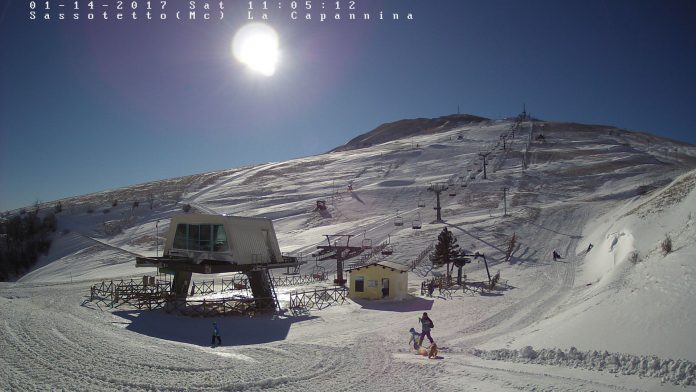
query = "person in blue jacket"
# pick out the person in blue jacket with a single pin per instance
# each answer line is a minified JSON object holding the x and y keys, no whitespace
{"x":216,"y":335}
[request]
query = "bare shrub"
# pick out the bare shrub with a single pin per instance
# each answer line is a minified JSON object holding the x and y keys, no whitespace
{"x":634,"y":257}
{"x":666,"y":245}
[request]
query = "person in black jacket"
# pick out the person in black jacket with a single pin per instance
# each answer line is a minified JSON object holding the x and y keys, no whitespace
{"x":427,"y":325}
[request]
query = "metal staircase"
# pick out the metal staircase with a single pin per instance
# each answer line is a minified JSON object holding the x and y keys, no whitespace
{"x":271,"y":290}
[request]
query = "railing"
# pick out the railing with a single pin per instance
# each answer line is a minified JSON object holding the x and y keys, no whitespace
{"x":135,"y":293}
{"x":202,"y":288}
{"x":296,"y":280}
{"x":419,"y":259}
{"x":219,"y":307}
{"x":115,"y":293}
{"x":235,"y":284}
{"x":318,"y":298}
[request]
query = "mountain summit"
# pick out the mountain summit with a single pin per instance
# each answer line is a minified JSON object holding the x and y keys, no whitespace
{"x":409,"y":127}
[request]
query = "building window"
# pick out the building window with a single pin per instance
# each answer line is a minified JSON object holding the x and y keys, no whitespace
{"x":204,"y":235}
{"x":220,"y":239}
{"x":359,"y":284}
{"x":180,"y":236}
{"x":205,"y":238}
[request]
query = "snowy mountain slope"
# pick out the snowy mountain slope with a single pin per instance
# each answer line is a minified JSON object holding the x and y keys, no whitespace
{"x":408,"y":128}
{"x":644,"y":306}
{"x":581,"y":184}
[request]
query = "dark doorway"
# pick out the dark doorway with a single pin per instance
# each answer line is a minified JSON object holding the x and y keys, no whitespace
{"x":385,"y":287}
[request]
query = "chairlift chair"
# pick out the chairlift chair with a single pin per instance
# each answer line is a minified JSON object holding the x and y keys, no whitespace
{"x":416,"y":224}
{"x":421,"y":203}
{"x":398,"y":220}
{"x":388,"y":250}
{"x":366,"y":242}
{"x":318,"y":272}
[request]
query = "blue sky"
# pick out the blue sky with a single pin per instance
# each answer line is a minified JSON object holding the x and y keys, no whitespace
{"x":93,"y":105}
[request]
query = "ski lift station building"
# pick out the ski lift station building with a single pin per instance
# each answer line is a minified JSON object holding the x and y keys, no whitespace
{"x":380,"y":280}
{"x":230,"y":239}
{"x":213,"y":244}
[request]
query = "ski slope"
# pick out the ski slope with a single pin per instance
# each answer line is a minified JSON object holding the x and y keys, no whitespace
{"x":591,"y":321}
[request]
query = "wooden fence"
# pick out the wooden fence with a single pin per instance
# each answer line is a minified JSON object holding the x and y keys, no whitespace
{"x":115,"y":293}
{"x":158,"y":295}
{"x":446,"y":287}
{"x":202,"y":288}
{"x":230,"y":306}
{"x":297,"y":280}
{"x":318,"y":298}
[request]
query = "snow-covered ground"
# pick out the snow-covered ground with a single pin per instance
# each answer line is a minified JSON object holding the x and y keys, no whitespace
{"x":607,"y":319}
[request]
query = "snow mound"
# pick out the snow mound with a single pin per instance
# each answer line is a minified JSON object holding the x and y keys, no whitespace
{"x":611,"y":252}
{"x":678,"y":372}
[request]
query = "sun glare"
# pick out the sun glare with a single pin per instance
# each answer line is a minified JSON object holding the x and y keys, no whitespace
{"x":256,"y":46}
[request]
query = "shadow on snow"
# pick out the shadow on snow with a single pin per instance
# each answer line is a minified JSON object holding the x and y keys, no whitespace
{"x":408,"y":305}
{"x":235,"y":331}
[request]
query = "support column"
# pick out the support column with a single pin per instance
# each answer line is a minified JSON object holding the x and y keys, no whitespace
{"x":181,"y":283}
{"x":260,"y":289}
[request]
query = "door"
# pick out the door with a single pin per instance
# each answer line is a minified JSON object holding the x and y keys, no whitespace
{"x":385,"y":287}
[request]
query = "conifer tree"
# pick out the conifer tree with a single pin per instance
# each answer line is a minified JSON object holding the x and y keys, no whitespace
{"x":446,"y":249}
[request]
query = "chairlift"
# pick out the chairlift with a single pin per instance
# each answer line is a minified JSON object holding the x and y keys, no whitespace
{"x":416,"y":224}
{"x":421,"y":203}
{"x":452,"y":192}
{"x":388,"y":250}
{"x":318,"y":272}
{"x":398,"y":220}
{"x":366,"y":242}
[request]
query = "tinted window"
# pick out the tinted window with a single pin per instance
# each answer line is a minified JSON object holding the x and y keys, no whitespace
{"x":219,"y":238}
{"x":180,"y":236}
{"x":193,"y":237}
{"x":204,"y":232}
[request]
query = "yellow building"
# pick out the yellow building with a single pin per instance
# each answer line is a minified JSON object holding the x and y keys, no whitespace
{"x":379,"y":280}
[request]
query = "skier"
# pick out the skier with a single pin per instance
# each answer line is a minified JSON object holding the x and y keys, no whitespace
{"x":431,"y":287}
{"x":415,"y":337}
{"x":589,"y":247}
{"x":556,"y":256}
{"x":426,"y":324}
{"x":216,"y":334}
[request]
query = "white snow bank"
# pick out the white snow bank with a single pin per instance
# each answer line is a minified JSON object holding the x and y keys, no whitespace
{"x":679,"y":372}
{"x":613,"y":250}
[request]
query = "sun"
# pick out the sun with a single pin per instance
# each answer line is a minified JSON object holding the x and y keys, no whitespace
{"x":256,"y":46}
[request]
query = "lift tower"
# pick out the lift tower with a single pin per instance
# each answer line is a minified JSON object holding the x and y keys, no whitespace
{"x":483,"y":156}
{"x":438,"y":188}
